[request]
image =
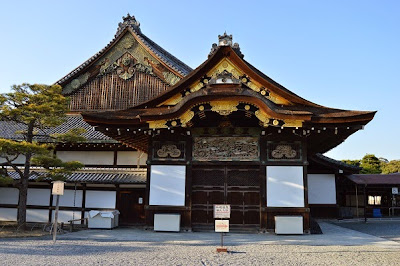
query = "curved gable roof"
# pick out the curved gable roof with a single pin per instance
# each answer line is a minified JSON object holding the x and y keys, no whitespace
{"x":131,"y":26}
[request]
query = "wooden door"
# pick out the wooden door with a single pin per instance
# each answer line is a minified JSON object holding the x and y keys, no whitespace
{"x":131,"y":206}
{"x":243,"y":194}
{"x":239,"y":187}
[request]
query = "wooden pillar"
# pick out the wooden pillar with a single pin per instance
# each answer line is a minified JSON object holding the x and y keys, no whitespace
{"x":263,"y":184}
{"x":148,"y":214}
{"x":365,"y":203}
{"x":306,"y":214}
{"x":51,"y":203}
{"x":117,"y":200}
{"x":115,"y":160}
{"x":187,"y":214}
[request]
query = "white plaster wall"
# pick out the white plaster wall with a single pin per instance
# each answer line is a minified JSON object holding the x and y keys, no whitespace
{"x":8,"y":214}
{"x":67,"y":200}
{"x":37,"y":216}
{"x":131,"y":158}
{"x":321,"y":189}
{"x":167,"y":185}
{"x":88,"y":157}
{"x":20,"y":160}
{"x":285,"y":186}
{"x":38,"y":196}
{"x":8,"y":195}
{"x":100,"y":199}
{"x":65,"y":216}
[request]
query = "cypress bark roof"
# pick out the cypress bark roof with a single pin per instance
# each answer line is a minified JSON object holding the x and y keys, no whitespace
{"x":297,"y":106}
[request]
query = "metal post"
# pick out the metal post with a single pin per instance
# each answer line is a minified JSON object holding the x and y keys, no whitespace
{"x":55,"y":220}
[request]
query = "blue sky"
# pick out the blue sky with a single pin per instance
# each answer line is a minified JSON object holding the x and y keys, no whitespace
{"x":343,"y":54}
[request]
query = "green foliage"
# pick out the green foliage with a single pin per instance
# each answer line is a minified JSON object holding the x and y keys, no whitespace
{"x":370,"y":164}
{"x":4,"y":178}
{"x":12,"y":148}
{"x":352,"y":162}
{"x":37,"y":104}
{"x":37,"y":107}
{"x":73,"y":135}
{"x":55,"y":168}
{"x":391,"y":167}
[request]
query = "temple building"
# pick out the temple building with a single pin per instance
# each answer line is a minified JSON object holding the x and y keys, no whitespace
{"x":171,"y":140}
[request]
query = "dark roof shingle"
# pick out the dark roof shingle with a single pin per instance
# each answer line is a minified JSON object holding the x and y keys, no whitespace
{"x":8,"y":130}
{"x":96,"y":177}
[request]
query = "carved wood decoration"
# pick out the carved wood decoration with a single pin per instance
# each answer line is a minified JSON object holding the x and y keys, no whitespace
{"x":225,"y":149}
{"x":168,"y":150}
{"x":283,"y":151}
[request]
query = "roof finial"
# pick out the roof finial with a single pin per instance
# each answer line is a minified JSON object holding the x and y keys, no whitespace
{"x":226,"y":40}
{"x":128,"y":21}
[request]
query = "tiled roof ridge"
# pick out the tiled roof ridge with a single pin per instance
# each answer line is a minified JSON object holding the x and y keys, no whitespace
{"x":8,"y":129}
{"x":90,"y":177}
{"x":336,"y":162}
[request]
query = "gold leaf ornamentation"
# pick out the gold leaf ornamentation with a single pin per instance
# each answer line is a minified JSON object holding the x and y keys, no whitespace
{"x":224,"y":107}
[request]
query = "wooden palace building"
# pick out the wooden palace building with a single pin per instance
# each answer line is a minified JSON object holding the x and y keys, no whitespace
{"x":223,"y":133}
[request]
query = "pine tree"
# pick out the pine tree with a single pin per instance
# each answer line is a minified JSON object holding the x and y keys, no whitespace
{"x":36,"y":107}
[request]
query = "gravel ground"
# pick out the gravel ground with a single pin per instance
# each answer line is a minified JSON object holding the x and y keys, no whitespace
{"x":338,"y":246}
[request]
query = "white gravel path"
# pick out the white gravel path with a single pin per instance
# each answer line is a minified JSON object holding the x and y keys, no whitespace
{"x":338,"y":246}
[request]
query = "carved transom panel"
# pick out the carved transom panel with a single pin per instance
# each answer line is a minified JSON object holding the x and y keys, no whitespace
{"x":168,"y":150}
{"x":284,"y":151}
{"x":225,"y":149}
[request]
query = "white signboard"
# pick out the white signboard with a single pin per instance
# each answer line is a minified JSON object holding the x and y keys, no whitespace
{"x":221,"y":226}
{"x":395,"y":190}
{"x":222,"y":211}
{"x":58,"y":188}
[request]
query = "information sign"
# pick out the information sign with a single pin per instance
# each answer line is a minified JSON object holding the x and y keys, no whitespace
{"x":222,"y":211}
{"x":395,"y":190}
{"x":58,"y":188}
{"x":221,"y":226}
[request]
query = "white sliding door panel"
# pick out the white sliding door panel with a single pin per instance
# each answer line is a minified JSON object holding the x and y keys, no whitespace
{"x":71,"y":198}
{"x":8,"y":195}
{"x":321,"y":189}
{"x":167,"y":185}
{"x":101,"y":199}
{"x":37,"y":216}
{"x":38,"y":196}
{"x":8,"y":214}
{"x":285,"y":186}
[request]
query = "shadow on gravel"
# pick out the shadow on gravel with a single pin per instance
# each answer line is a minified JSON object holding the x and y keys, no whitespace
{"x":64,"y":249}
{"x":386,"y":229}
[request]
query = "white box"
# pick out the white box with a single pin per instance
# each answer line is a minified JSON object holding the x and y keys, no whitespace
{"x":103,"y":219}
{"x":167,"y":222}
{"x":288,"y":225}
